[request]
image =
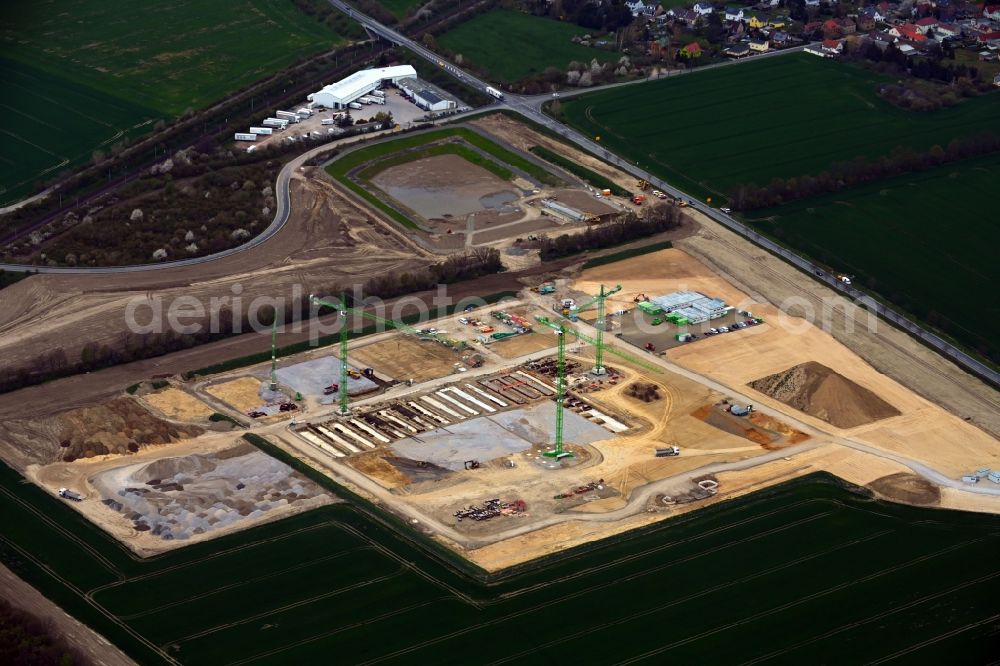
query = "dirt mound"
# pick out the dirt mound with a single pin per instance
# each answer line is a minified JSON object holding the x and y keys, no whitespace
{"x":819,"y":391}
{"x":907,"y":488}
{"x":120,"y":426}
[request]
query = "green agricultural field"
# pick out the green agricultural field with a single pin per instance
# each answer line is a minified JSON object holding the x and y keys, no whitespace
{"x":750,"y":122}
{"x":801,"y":570}
{"x":512,"y":45}
{"x":52,"y":124}
{"x":80,"y":76}
{"x":926,"y":241}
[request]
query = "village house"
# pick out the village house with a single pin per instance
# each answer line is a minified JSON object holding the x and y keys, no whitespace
{"x":847,"y":26}
{"x":703,"y":8}
{"x":926,"y":24}
{"x":692,"y":50}
{"x":833,"y":46}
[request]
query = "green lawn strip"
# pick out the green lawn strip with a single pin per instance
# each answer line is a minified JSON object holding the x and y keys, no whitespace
{"x":595,"y":179}
{"x":464,"y":152}
{"x":341,"y":168}
{"x":627,"y":254}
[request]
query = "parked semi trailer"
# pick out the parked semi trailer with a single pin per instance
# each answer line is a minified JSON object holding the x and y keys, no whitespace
{"x":261,"y":130}
{"x":286,"y":114}
{"x":275,"y":122}
{"x":242,"y":136}
{"x":493,"y":92}
{"x":66,"y":493}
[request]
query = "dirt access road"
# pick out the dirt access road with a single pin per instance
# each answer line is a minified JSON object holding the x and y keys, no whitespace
{"x":328,"y":240}
{"x":93,"y":646}
{"x":767,"y":278}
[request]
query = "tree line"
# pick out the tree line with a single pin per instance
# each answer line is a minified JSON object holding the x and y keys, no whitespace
{"x":842,"y":175}
{"x":628,"y":227}
{"x":26,"y":640}
{"x":135,"y":346}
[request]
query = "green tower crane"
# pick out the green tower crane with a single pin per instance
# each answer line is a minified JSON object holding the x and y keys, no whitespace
{"x":557,"y":452}
{"x":341,"y":307}
{"x":344,"y":310}
{"x":561,"y":330}
{"x":274,"y":353}
{"x":601,"y":324}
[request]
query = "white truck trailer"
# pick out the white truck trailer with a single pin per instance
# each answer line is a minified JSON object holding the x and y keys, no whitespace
{"x":327,"y":121}
{"x":261,"y":130}
{"x":355,"y":106}
{"x":280,"y":123}
{"x":493,"y":92}
{"x":245,"y":136}
{"x":66,"y":493}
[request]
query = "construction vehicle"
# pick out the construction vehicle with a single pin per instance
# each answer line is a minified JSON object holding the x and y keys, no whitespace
{"x":546,"y":288}
{"x":638,"y":199}
{"x":331,"y":389}
{"x":642,"y":185}
{"x":668,"y":452}
{"x":639,"y":298}
{"x":472,"y":464}
{"x":650,"y":347}
{"x":846,"y":279}
{"x":368,"y":372}
{"x":606,"y":192}
{"x":353,"y":374}
{"x":66,"y":493}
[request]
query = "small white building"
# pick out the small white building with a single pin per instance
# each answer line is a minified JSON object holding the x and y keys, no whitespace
{"x":338,"y":95}
{"x":428,"y":101}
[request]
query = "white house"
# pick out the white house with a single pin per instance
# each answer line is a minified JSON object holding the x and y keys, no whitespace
{"x":734,"y":13}
{"x":338,"y":95}
{"x":636,"y":7}
{"x":703,"y":8}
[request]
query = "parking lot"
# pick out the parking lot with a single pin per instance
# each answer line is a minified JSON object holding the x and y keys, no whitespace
{"x":637,"y":328}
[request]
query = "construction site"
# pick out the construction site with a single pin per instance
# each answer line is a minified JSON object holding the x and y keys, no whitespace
{"x":594,"y":402}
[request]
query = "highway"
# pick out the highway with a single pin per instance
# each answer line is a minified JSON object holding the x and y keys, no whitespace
{"x":530,"y":107}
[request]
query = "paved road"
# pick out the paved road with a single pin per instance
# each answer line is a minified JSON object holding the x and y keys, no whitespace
{"x":530,"y":107}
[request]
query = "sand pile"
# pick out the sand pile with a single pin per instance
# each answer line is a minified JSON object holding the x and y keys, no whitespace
{"x":818,"y":391}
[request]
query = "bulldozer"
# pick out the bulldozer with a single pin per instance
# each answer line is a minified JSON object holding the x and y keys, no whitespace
{"x":642,"y":185}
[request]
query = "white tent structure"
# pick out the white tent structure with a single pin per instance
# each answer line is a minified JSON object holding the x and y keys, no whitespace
{"x":338,"y":95}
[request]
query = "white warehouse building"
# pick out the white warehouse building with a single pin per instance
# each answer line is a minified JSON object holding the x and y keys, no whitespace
{"x":338,"y":95}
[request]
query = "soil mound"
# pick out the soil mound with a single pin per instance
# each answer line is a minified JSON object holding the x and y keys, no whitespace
{"x":907,"y":488}
{"x":120,"y":426}
{"x":818,"y":391}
